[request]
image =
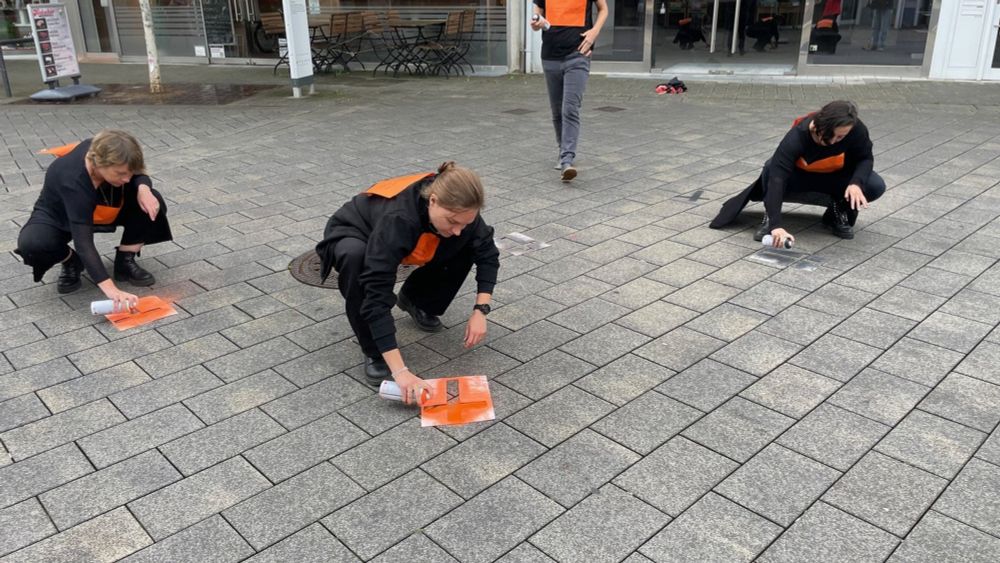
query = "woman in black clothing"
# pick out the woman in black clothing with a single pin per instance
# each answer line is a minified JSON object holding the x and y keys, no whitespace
{"x":825,"y":159}
{"x":430,"y":220}
{"x":99,"y":185}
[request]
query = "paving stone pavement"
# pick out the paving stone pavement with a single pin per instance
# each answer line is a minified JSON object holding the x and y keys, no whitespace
{"x":660,"y":395}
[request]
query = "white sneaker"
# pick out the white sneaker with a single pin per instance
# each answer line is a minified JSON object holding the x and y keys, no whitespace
{"x":558,"y":165}
{"x":568,"y":173}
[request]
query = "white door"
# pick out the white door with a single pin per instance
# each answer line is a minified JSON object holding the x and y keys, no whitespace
{"x":991,"y":66}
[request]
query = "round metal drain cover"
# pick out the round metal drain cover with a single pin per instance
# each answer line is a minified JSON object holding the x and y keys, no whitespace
{"x":306,"y":269}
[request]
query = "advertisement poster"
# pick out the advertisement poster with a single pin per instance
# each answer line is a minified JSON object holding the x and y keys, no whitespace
{"x":53,"y":42}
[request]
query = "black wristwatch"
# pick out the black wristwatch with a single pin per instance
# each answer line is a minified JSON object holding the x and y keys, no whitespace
{"x":483,"y":308}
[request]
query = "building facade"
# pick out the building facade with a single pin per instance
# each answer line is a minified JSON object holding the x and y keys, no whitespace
{"x":940,"y":39}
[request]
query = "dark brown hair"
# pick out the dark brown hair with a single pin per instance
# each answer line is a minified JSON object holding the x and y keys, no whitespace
{"x":840,"y":113}
{"x":456,"y":188}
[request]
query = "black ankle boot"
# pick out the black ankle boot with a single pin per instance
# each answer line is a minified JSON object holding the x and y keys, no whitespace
{"x":425,"y":322}
{"x":69,"y":277}
{"x":763,"y":229}
{"x":128,"y":271}
{"x":838,"y":218}
{"x":376,"y":370}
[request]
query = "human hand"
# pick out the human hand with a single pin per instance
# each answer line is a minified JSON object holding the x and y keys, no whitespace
{"x":856,"y":197}
{"x":124,"y":301}
{"x":475,"y":329}
{"x":148,"y":202}
{"x":589,"y":38}
{"x":412,"y":388}
{"x":779,"y":236}
{"x":538,"y":23}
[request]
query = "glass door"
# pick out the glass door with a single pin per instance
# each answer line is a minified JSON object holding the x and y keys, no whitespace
{"x":727,"y":36}
{"x":992,"y":71}
{"x":624,"y":44}
{"x":97,"y":20}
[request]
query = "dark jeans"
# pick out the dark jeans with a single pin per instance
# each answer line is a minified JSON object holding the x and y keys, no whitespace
{"x":42,"y":246}
{"x":431,"y":287}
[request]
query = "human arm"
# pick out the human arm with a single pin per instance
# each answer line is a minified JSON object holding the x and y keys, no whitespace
{"x":411,"y":387}
{"x":147,"y":201}
{"x":486,"y":256}
{"x":779,"y":168}
{"x":590,"y":36}
{"x":538,"y":10}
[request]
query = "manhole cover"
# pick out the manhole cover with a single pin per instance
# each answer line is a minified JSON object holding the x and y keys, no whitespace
{"x":519,"y":111}
{"x":306,"y":269}
{"x":610,"y":109}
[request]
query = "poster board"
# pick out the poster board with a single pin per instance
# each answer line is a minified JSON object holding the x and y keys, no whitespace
{"x":53,"y":42}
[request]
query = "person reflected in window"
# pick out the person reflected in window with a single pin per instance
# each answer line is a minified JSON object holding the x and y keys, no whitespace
{"x":881,"y":20}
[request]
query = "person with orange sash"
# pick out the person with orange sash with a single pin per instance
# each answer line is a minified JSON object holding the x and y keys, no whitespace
{"x":825,"y":159}
{"x":95,"y":186}
{"x":569,"y":32}
{"x":430,"y":220}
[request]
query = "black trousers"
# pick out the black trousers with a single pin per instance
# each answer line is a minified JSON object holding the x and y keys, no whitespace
{"x":42,"y":246}
{"x":822,"y":189}
{"x":431,"y":287}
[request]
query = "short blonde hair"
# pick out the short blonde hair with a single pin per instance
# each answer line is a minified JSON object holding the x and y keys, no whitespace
{"x":456,"y":188}
{"x":111,"y":147}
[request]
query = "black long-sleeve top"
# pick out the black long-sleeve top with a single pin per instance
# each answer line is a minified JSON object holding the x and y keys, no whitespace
{"x":68,"y":200}
{"x":797,"y":152}
{"x":391,"y":228}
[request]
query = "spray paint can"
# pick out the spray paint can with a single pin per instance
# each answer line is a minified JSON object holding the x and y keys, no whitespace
{"x":545,"y":26}
{"x":768,"y":240}
{"x":390,"y":391}
{"x":105,"y":307}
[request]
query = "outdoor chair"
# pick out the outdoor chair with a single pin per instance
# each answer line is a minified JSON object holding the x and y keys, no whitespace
{"x":440,"y":55}
{"x":274,"y":25}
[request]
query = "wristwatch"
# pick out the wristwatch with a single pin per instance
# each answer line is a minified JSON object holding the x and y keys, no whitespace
{"x":483,"y":308}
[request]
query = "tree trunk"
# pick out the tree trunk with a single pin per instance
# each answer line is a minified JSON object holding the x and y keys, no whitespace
{"x":152,"y":57}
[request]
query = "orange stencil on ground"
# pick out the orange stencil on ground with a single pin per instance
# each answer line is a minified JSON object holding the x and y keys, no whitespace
{"x":149,"y":309}
{"x":472,"y":402}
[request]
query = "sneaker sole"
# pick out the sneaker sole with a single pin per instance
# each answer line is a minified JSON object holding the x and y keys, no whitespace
{"x":568,"y":174}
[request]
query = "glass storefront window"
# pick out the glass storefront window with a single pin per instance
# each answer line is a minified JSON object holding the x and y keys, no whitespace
{"x":869,"y":32}
{"x":178,"y":25}
{"x":14,"y":21}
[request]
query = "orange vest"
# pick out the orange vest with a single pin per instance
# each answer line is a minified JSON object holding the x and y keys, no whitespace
{"x":566,"y":13}
{"x":823,"y":165}
{"x":427,"y":244}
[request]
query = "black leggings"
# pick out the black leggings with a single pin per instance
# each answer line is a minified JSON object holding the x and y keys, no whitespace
{"x":42,"y":246}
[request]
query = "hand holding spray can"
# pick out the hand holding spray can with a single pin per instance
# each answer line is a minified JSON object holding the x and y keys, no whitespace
{"x":107,"y":307}
{"x":390,"y":391}
{"x":768,"y":240}
{"x":545,"y":25}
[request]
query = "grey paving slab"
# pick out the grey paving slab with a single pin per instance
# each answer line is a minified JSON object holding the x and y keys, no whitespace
{"x":493,"y":522}
{"x":605,"y":344}
{"x":194,"y":498}
{"x":495,"y":453}
{"x":559,"y":415}
{"x":582,"y":464}
{"x":965,"y":400}
{"x":111,"y":487}
{"x":825,"y":533}
{"x":314,"y":544}
{"x":21,"y":410}
{"x":304,"y":447}
{"x":254,"y":359}
{"x":675,"y":475}
{"x":525,"y":553}
{"x":606,"y":526}
{"x":706,"y":385}
{"x":756,"y":353}
{"x":624,"y":379}
{"x":885,"y":492}
{"x":714,"y":529}
{"x":964,"y":500}
{"x":790,"y":390}
{"x":37,"y":377}
{"x":738,"y":429}
{"x":833,"y":436}
{"x":119,"y":351}
{"x":213,"y":444}
{"x":149,"y":396}
{"x":23,"y":524}
{"x":54,"y":347}
{"x":907,"y":303}
{"x":533,"y":340}
{"x":637,"y":293}
{"x":646,"y":422}
{"x":982,"y":363}
{"x":24,"y":479}
{"x":974,"y":305}
{"x":91,"y":387}
{"x":292,"y":505}
{"x":837,"y":300}
{"x":212,"y":539}
{"x":138,"y":435}
{"x":315,"y":401}
{"x":238,"y":396}
{"x":879,"y":396}
{"x":680,"y":348}
{"x":544,"y":375}
{"x":59,"y":429}
{"x":589,"y":315}
{"x":778,"y":484}
{"x":532,"y":309}
{"x":950,"y":332}
{"x":769,"y":298}
{"x":656,"y":318}
{"x":931,"y":443}
{"x":918,"y":361}
{"x":107,"y":538}
{"x":576,"y":290}
{"x":939,"y":538}
{"x":381,"y":459}
{"x":681,"y":272}
{"x":727,"y":322}
{"x":417,"y":548}
{"x":186,"y":355}
{"x":836,"y":357}
{"x":389,"y":514}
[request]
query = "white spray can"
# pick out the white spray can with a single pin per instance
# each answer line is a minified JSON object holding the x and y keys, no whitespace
{"x":546,"y":25}
{"x":390,"y":391}
{"x":105,"y":307}
{"x":768,"y":240}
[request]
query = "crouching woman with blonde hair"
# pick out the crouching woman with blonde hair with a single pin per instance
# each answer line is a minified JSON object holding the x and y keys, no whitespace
{"x":430,"y":220}
{"x":99,"y":185}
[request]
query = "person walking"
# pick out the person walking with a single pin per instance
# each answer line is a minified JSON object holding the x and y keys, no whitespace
{"x":569,"y":32}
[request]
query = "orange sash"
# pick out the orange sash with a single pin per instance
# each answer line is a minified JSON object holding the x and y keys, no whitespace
{"x":566,"y":13}
{"x":823,"y":165}
{"x":105,"y":214}
{"x":427,"y":244}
